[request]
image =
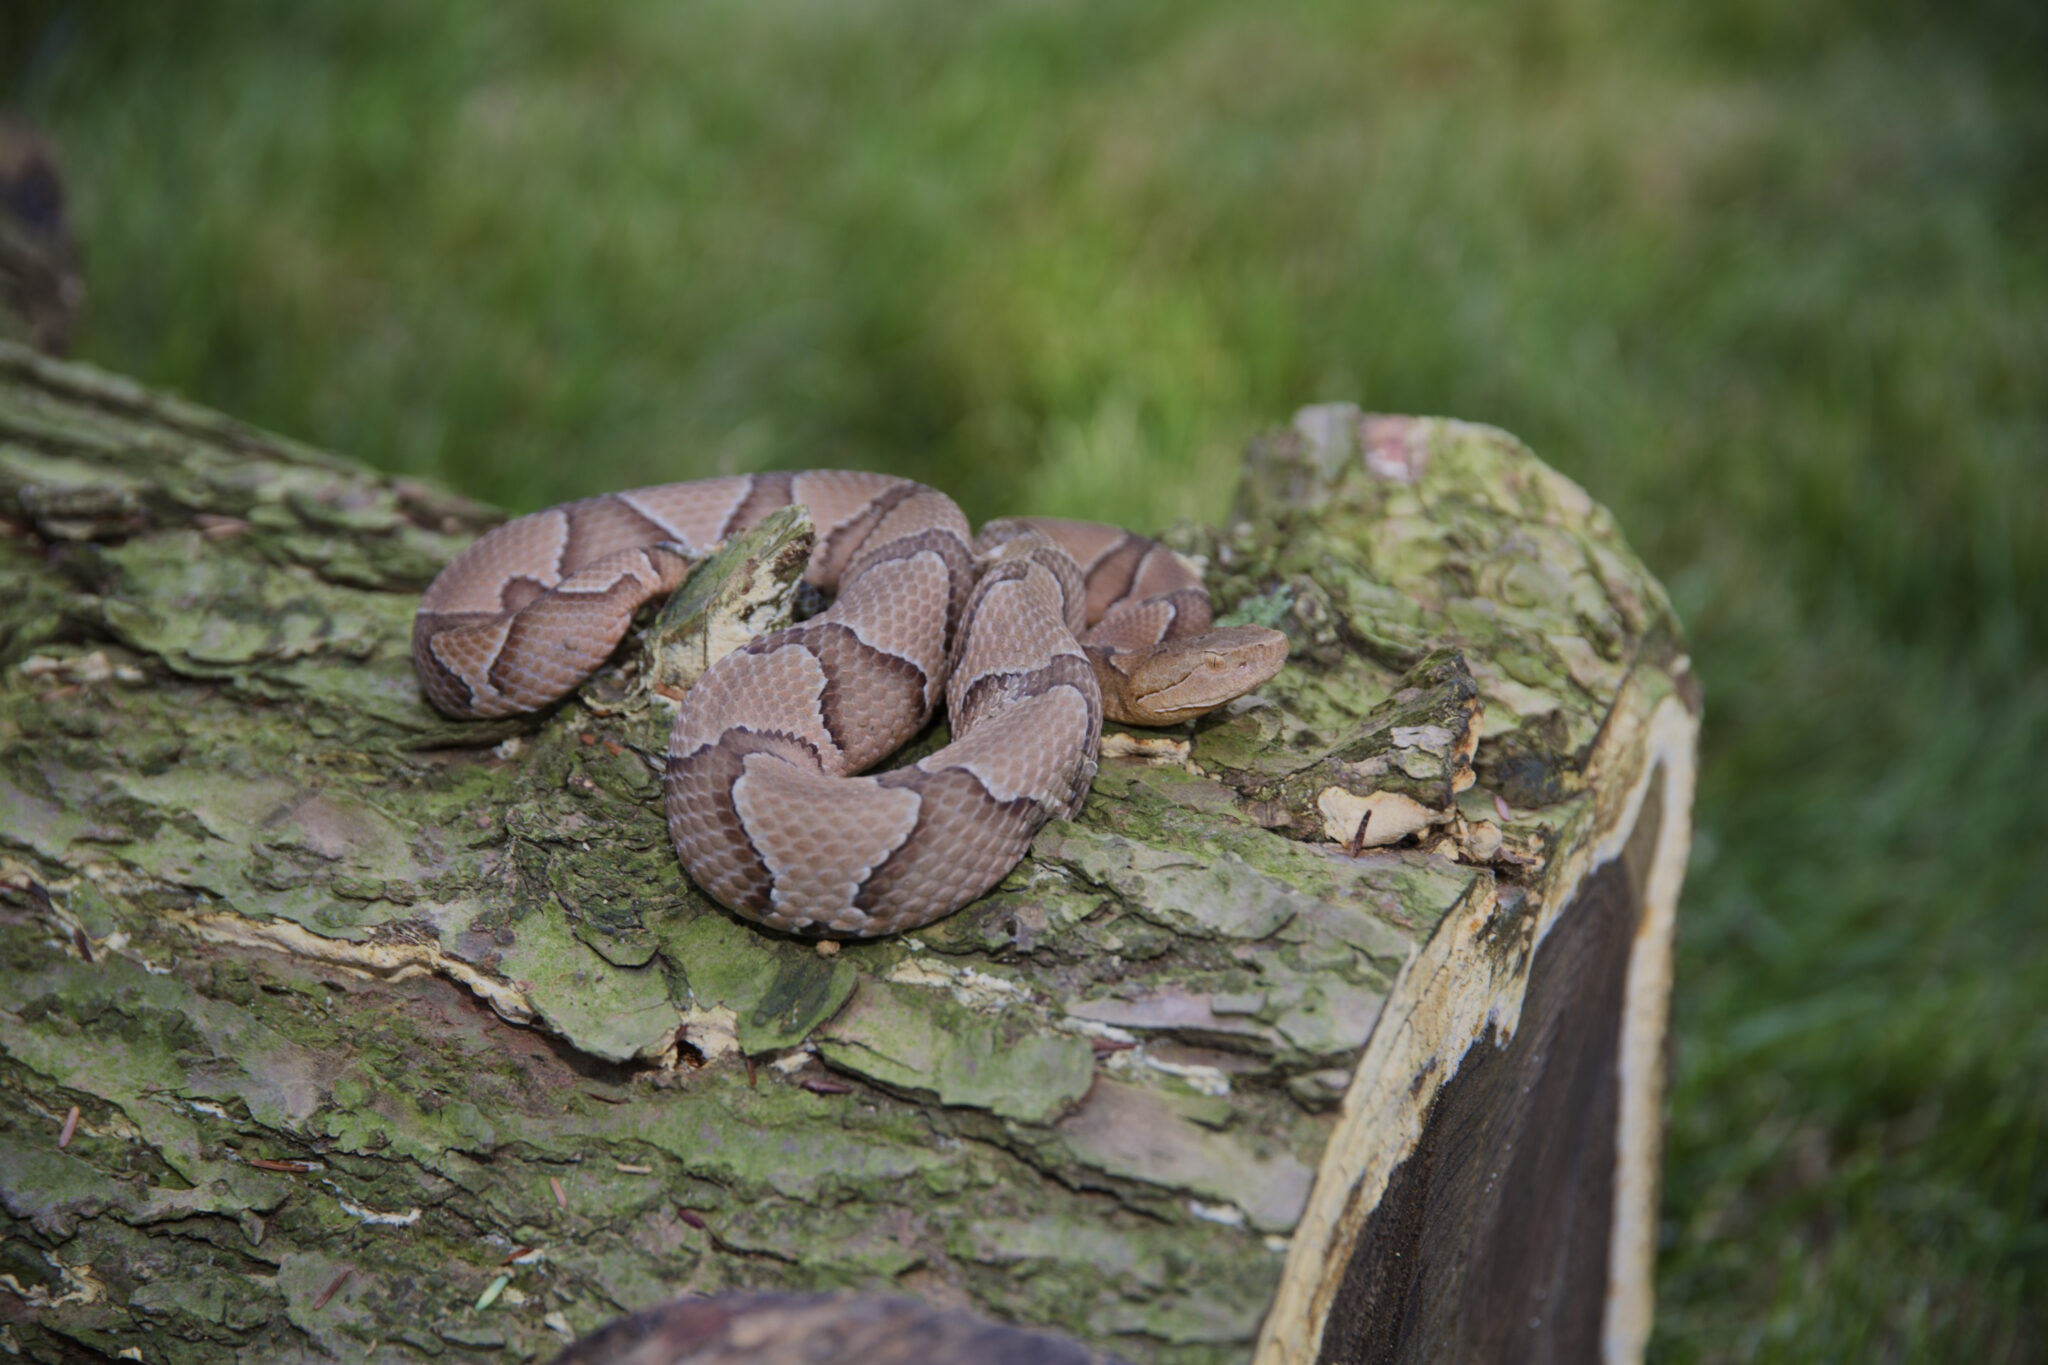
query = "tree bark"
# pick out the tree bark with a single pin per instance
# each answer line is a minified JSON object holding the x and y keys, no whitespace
{"x":41,"y":289}
{"x":1331,"y":1030}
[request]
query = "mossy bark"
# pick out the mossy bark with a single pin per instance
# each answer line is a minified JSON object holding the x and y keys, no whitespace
{"x":363,"y":1013}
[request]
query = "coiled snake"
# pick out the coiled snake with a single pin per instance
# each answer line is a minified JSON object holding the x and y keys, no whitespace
{"x":1033,"y":631}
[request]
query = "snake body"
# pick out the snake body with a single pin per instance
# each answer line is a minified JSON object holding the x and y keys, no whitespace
{"x":1032,"y":632}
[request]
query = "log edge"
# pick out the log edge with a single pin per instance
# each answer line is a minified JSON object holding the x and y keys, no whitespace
{"x":1653,"y":730}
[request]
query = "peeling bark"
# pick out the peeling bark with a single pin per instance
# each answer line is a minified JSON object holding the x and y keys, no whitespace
{"x":369,"y":1018}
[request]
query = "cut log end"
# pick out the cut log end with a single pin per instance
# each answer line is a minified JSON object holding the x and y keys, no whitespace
{"x":1500,"y":1206}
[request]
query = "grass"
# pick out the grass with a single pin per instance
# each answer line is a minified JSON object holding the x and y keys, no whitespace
{"x":1772,"y":281}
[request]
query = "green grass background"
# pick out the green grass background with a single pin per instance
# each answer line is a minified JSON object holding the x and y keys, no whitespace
{"x":1769,"y":279}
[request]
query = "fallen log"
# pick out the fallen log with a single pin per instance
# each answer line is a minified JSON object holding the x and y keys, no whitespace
{"x":1331,"y":1030}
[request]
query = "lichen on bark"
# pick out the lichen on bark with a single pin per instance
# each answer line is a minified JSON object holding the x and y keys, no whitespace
{"x":361,"y":1008}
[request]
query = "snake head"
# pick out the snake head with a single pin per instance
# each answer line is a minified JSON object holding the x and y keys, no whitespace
{"x":1178,"y":680}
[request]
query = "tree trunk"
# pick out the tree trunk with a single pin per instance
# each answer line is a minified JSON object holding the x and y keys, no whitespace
{"x":329,"y":1029}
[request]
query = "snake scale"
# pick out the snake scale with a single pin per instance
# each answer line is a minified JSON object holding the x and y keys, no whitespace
{"x":1033,"y":632}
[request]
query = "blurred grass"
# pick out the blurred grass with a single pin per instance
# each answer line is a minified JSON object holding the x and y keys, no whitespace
{"x":1771,"y":280}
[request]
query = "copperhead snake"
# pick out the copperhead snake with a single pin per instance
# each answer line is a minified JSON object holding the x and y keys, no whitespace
{"x":1034,"y":632}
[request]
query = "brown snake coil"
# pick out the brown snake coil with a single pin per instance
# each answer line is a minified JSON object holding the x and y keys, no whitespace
{"x":1034,"y":631}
